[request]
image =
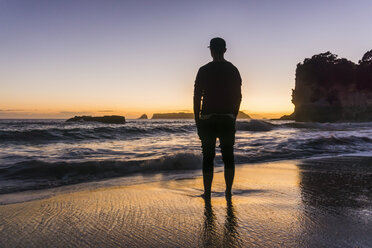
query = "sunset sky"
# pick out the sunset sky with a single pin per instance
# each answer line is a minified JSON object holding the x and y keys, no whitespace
{"x":63,"y":58}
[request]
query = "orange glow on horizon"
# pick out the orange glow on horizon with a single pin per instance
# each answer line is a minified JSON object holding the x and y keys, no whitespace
{"x":11,"y":113}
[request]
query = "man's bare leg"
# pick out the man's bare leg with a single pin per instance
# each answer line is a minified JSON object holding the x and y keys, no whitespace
{"x":229,"y":179}
{"x":207,"y":180}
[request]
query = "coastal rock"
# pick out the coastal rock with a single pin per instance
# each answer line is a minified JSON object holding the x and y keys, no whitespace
{"x":180,"y":115}
{"x":111,"y":119}
{"x":143,"y":117}
{"x":242,"y":115}
{"x":330,"y":89}
{"x":287,"y":117}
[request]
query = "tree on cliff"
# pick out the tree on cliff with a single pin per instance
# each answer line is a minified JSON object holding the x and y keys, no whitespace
{"x":322,"y":77}
{"x":364,"y":72}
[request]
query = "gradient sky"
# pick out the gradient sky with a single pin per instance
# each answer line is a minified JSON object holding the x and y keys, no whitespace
{"x":61,"y":58}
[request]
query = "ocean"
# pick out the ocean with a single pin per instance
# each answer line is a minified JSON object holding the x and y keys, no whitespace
{"x":39,"y":154}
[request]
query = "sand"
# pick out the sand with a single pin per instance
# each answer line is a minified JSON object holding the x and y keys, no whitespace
{"x":314,"y":203}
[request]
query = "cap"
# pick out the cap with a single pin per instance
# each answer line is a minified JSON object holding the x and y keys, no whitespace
{"x":217,"y":44}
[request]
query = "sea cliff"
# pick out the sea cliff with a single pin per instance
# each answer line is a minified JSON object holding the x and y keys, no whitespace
{"x":330,"y":89}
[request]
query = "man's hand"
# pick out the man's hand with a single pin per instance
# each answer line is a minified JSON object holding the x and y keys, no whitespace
{"x":198,"y":125}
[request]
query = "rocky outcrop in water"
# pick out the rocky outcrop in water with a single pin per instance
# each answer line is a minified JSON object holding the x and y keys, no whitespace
{"x":143,"y":117}
{"x":180,"y":115}
{"x":287,"y":117}
{"x":242,"y":115}
{"x":330,"y":89}
{"x":111,"y":119}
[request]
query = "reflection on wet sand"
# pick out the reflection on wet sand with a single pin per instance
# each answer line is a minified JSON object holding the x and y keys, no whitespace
{"x":231,"y":235}
{"x":211,"y":235}
{"x":337,"y":202}
{"x":314,"y":203}
{"x":336,"y":183}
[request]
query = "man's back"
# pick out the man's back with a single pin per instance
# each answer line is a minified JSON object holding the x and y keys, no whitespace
{"x":218,"y":83}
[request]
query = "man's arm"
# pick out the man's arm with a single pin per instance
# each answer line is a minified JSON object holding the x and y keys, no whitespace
{"x":197,"y":97}
{"x":237,"y":106}
{"x":238,"y":93}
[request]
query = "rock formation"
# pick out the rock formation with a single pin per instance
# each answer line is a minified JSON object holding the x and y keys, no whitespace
{"x":112,"y":119}
{"x":330,"y":89}
{"x":180,"y":115}
{"x":143,"y":117}
{"x":242,"y":115}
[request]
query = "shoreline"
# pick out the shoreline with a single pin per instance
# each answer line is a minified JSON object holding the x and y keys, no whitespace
{"x":157,"y":177}
{"x":275,"y":204}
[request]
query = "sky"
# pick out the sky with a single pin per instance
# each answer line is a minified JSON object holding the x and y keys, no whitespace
{"x":64,"y":58}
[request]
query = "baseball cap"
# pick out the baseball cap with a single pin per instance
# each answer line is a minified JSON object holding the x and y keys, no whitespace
{"x":217,"y":43}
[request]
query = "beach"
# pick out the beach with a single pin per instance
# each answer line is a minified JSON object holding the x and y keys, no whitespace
{"x":115,"y":116}
{"x":293,"y":203}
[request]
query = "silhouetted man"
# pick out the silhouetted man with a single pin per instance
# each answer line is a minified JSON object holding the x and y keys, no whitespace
{"x":218,"y":87}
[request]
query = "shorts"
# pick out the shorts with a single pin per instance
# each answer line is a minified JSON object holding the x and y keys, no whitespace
{"x":223,"y":128}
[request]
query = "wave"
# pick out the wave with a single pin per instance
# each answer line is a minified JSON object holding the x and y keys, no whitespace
{"x":338,"y":126}
{"x":46,"y":174}
{"x":254,"y":125}
{"x":31,"y":132}
{"x":38,"y":174}
{"x":263,"y":151}
{"x":66,"y":133}
{"x":26,"y":165}
{"x":83,"y":133}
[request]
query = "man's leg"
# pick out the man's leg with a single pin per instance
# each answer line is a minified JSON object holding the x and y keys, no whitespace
{"x":228,"y":159}
{"x":227,"y":140}
{"x":209,"y":151}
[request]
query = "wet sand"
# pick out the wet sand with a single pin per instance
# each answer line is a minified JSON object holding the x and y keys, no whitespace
{"x":311,"y":203}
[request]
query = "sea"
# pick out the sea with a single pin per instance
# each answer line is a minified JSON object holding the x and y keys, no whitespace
{"x":46,"y":153}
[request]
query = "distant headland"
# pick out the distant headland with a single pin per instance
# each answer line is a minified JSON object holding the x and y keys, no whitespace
{"x":180,"y":115}
{"x":110,"y":119}
{"x":330,"y":89}
{"x":183,"y":115}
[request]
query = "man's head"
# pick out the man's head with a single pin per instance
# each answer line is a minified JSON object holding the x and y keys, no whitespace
{"x":217,"y":46}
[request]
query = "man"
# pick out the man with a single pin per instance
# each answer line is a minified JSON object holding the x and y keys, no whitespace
{"x":218,"y":87}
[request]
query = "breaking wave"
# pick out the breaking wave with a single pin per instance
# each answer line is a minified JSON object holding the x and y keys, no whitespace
{"x":46,"y":174}
{"x":82,"y":133}
{"x":42,"y":154}
{"x":255,"y":126}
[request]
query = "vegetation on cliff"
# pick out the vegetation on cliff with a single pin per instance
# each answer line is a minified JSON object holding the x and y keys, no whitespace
{"x":330,"y":89}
